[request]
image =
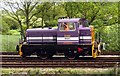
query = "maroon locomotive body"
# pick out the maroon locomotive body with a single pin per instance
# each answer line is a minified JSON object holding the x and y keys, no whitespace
{"x":73,"y":37}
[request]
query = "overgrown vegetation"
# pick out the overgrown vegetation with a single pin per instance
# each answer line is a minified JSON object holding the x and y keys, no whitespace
{"x":22,"y":15}
{"x":62,"y":71}
{"x":9,"y":42}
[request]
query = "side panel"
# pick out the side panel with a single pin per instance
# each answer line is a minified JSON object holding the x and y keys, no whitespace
{"x":85,"y":36}
{"x":67,"y":37}
{"x":42,"y":37}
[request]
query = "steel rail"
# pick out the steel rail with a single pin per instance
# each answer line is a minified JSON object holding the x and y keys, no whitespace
{"x":100,"y":62}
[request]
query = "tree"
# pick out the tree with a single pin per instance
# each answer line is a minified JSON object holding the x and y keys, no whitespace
{"x":70,"y":8}
{"x":118,"y":25}
{"x":23,"y":13}
{"x":50,"y":13}
{"x":44,"y":7}
{"x":8,"y":23}
{"x":51,"y":17}
{"x":95,"y":12}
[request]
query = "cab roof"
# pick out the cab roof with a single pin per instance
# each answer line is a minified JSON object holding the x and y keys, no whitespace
{"x":69,"y":20}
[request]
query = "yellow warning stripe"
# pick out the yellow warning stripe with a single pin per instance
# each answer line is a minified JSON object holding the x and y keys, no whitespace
{"x":20,"y":51}
{"x":93,"y":40}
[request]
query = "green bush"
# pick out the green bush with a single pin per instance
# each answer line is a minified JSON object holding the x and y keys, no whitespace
{"x":13,"y":32}
{"x":9,"y":42}
{"x":51,"y":23}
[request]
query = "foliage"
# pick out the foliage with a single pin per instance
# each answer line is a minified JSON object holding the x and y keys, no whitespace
{"x":13,"y":32}
{"x":23,"y":13}
{"x":51,"y":23}
{"x":7,"y":40}
{"x":50,"y":14}
{"x":110,"y":37}
{"x":119,"y":25}
{"x":8,"y":24}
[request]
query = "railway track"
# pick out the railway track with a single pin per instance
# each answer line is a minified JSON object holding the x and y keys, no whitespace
{"x":18,"y":62}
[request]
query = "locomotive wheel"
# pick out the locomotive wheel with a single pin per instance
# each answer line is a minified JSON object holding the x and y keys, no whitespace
{"x":77,"y":56}
{"x":51,"y":55}
{"x":43,"y":55}
{"x":70,"y":54}
{"x":23,"y":56}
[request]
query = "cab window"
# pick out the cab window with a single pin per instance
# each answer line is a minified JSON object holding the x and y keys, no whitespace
{"x":67,"y":26}
{"x":85,"y":23}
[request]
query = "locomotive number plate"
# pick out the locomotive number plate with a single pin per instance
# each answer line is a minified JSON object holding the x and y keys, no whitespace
{"x":67,"y":37}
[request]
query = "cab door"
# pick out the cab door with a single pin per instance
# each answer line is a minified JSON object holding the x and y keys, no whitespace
{"x":67,"y":33}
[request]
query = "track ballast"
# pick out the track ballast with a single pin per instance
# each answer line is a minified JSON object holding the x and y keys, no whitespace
{"x":34,"y":62}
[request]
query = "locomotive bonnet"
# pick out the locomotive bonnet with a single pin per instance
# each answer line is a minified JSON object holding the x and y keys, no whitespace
{"x":73,"y":37}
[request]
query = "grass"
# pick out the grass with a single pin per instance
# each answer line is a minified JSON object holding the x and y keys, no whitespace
{"x":0,"y":42}
{"x":73,"y":71}
{"x":9,"y":42}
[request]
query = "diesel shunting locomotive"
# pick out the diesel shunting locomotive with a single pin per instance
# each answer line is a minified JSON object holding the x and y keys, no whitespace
{"x":73,"y":37}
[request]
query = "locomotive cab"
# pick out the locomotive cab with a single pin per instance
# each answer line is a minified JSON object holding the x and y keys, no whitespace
{"x":67,"y":32}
